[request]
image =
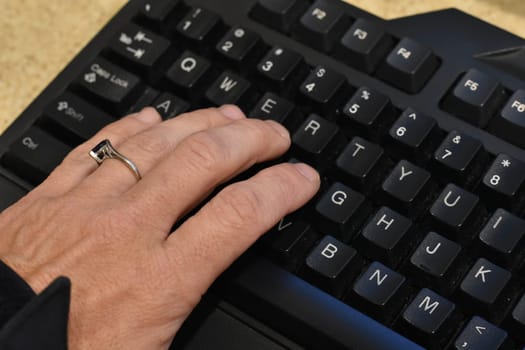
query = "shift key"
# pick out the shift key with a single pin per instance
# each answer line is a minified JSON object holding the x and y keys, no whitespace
{"x":111,"y":84}
{"x":73,"y":119}
{"x":34,"y":155}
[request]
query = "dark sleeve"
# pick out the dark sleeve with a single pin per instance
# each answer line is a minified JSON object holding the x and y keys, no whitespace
{"x":30,"y":321}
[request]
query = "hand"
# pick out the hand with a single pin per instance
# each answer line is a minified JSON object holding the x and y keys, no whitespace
{"x":134,"y":284}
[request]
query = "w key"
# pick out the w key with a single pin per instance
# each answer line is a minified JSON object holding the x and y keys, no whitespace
{"x":229,"y":88}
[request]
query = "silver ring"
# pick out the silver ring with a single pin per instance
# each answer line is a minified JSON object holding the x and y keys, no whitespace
{"x":105,"y":150}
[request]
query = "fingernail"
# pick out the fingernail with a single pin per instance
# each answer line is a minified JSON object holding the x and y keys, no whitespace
{"x":279,"y":128}
{"x":232,"y":112}
{"x":307,"y":171}
{"x":148,"y":115}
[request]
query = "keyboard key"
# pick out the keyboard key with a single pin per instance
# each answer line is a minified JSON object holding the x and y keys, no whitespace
{"x":317,"y":139}
{"x":367,"y":112}
{"x":381,"y":292}
{"x":169,"y":106}
{"x":278,"y":14}
{"x":428,"y":318}
{"x":291,"y":239}
{"x":414,"y":135}
{"x":484,"y":288}
{"x":10,"y":193}
{"x":456,"y":211}
{"x":502,"y":237}
{"x":237,"y":46}
{"x":433,"y":262}
{"x":515,"y":322}
{"x":273,"y":107}
{"x":321,"y":88}
{"x":475,"y":98}
{"x":199,"y":26}
{"x":110,"y":83}
{"x":159,"y":10}
{"x":503,"y":182}
{"x":279,"y":67}
{"x":460,"y":158}
{"x":481,"y":335}
{"x":72,"y":119}
{"x":361,"y":163}
{"x":386,"y":237}
{"x":186,"y":74}
{"x":409,"y":66}
{"x":229,"y":88}
{"x":510,"y":124}
{"x":139,"y":46}
{"x":331,"y":264}
{"x":34,"y":155}
{"x":406,"y":187}
{"x":364,"y":45}
{"x":322,"y":25}
{"x":341,"y":210}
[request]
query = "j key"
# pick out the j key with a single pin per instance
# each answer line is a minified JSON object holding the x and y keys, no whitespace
{"x":322,"y":25}
{"x":414,"y":135}
{"x":475,"y":98}
{"x":386,"y":237}
{"x":316,"y":139}
{"x":409,"y":66}
{"x":9,"y":193}
{"x":322,"y":86}
{"x":368,"y":112}
{"x":187,"y":73}
{"x":139,"y":46}
{"x":291,"y":240}
{"x":274,"y":107}
{"x":406,"y":187}
{"x":502,"y":237}
{"x":510,"y":124}
{"x":456,"y":211}
{"x":515,"y":321}
{"x":199,"y":26}
{"x":169,"y":106}
{"x":237,"y":46}
{"x":278,"y":14}
{"x":361,"y":163}
{"x":484,"y":288}
{"x":503,"y":181}
{"x":426,"y":318}
{"x":482,"y":335}
{"x":110,"y":83}
{"x":433,"y":261}
{"x":341,"y":210}
{"x":279,"y":66}
{"x":364,"y":45}
{"x":34,"y":155}
{"x":331,"y":264}
{"x":73,"y":120}
{"x":459,"y":158}
{"x":229,"y":88}
{"x":380,"y":290}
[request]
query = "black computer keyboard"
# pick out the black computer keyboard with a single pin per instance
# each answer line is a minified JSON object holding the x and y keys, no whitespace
{"x":417,"y":126}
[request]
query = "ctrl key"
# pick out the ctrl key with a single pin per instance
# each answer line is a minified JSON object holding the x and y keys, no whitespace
{"x":482,"y":335}
{"x":34,"y":155}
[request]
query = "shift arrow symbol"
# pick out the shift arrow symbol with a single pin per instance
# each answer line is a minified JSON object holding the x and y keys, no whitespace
{"x":480,"y":329}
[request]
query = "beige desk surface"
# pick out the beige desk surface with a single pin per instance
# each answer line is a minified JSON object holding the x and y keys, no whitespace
{"x":38,"y":38}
